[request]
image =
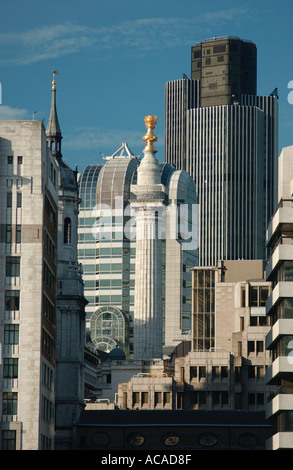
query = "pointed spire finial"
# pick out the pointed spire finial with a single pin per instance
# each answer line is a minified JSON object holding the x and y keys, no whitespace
{"x":150,"y":138}
{"x":53,"y":131}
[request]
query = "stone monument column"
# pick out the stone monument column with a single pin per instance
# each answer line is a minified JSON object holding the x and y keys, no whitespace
{"x":149,"y":206}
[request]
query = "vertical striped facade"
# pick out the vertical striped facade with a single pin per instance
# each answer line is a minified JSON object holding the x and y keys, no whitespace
{"x":180,"y":96}
{"x":269,"y":105}
{"x":225,"y":159}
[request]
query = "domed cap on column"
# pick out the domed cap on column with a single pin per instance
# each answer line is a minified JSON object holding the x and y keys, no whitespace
{"x":149,"y":171}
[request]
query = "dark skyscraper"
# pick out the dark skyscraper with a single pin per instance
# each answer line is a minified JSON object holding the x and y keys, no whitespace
{"x":226,"y":138}
{"x":226,"y":68}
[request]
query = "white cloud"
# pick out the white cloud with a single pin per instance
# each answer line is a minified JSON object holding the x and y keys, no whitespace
{"x":145,"y":33}
{"x":7,"y":112}
{"x":100,"y":139}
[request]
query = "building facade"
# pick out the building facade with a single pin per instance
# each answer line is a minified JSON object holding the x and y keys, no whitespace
{"x":41,"y":291}
{"x":29,"y":233}
{"x":70,"y":300}
{"x":228,"y":144}
{"x":279,"y":341}
{"x":224,"y":366}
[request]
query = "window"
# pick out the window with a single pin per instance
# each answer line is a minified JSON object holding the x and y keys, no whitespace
{"x":250,"y":347}
{"x":158,"y":398}
{"x":12,"y":299}
{"x":219,"y":48}
{"x":8,"y":440}
{"x":9,"y":403}
{"x":8,"y":233}
{"x":19,"y":199}
{"x":243,"y":290}
{"x":11,"y":334}
{"x":202,"y":372}
{"x":258,"y":296}
{"x":135,"y":398}
{"x":13,"y":266}
{"x":144,"y":398}
{"x":10,"y":369}
{"x":9,"y":200}
{"x":18,"y":234}
{"x":67,"y":230}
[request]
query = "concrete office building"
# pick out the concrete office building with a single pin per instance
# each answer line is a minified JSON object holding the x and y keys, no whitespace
{"x":107,"y":251}
{"x":228,"y":144}
{"x":279,"y":341}
{"x":224,"y":366}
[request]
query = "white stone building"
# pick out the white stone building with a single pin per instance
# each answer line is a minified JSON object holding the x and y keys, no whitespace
{"x":279,"y":341}
{"x":41,"y":289}
{"x":29,"y":213}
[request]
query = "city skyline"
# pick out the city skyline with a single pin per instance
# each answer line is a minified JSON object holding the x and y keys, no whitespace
{"x":104,"y":87}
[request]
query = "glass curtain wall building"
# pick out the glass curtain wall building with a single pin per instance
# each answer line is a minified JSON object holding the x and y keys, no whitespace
{"x":106,"y":250}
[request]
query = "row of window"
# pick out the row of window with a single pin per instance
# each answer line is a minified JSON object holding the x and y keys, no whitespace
{"x":108,"y":267}
{"x":18,"y":200}
{"x":13,"y":236}
{"x":195,"y":398}
{"x":221,"y":373}
{"x":10,"y":403}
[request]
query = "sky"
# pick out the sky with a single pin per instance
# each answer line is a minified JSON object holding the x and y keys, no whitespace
{"x":114,"y":57}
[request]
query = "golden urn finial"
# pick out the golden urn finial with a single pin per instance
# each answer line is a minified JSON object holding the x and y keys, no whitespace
{"x":54,"y":72}
{"x":150,"y":138}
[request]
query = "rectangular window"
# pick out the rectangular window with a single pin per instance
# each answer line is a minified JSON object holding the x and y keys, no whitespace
{"x":9,"y":200}
{"x":243,"y":290}
{"x":135,"y":398}
{"x":144,"y":398}
{"x":219,"y":48}
{"x":11,"y":334}
{"x":158,"y":398}
{"x":10,"y":368}
{"x":12,"y":299}
{"x":13,"y":266}
{"x":9,"y":403}
{"x":202,"y":372}
{"x":250,"y":347}
{"x":167,"y":398}
{"x":8,"y":440}
{"x":259,"y":346}
{"x":10,"y":160}
{"x":18,"y":234}
{"x":8,"y":233}
{"x":19,"y":199}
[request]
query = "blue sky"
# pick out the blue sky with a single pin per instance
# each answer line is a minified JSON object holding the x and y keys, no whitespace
{"x":114,"y":57}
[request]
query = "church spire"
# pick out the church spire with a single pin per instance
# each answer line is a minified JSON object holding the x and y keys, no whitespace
{"x":53,"y":131}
